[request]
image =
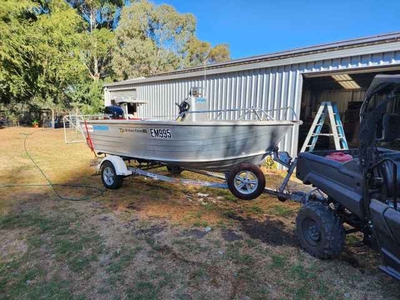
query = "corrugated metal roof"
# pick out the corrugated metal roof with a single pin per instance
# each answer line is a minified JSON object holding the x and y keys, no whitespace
{"x":322,"y":48}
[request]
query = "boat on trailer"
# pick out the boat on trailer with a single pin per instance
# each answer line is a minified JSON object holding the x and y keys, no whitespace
{"x":198,"y":139}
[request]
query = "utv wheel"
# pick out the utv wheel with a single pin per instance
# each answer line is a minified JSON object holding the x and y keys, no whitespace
{"x":109,"y":176}
{"x":175,"y":170}
{"x":246,"y":181}
{"x":320,"y":231}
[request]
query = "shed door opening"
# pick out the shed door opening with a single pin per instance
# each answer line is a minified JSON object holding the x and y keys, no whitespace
{"x":347,"y":91}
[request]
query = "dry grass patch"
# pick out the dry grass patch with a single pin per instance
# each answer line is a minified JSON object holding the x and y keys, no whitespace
{"x":149,"y":240}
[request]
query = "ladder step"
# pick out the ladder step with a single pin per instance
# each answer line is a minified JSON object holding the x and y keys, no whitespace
{"x":326,"y":109}
{"x":323,"y":134}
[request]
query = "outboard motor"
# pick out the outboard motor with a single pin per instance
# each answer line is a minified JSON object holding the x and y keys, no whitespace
{"x":113,"y":112}
{"x":195,"y":102}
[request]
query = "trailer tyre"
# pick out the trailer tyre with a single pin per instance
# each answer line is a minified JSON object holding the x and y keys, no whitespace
{"x":320,"y":231}
{"x":109,"y":176}
{"x":246,"y":181}
{"x":174,"y":170}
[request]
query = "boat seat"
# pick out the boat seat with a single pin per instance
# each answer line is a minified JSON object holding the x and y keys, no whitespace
{"x":391,"y":127}
{"x":391,"y":132}
{"x":388,"y":176}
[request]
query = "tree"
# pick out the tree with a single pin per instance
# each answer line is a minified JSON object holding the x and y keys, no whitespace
{"x":98,"y":13}
{"x":199,"y":52}
{"x":151,"y":39}
{"x":101,"y":17}
{"x":58,"y":53}
{"x":39,"y":53}
{"x":219,"y":53}
{"x":14,"y":50}
{"x":58,"y":39}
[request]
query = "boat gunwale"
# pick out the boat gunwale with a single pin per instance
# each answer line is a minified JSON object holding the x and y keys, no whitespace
{"x":199,"y":123}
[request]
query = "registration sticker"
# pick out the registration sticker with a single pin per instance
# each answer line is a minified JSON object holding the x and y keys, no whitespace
{"x":100,"y":127}
{"x":201,"y":100}
{"x":161,"y":133}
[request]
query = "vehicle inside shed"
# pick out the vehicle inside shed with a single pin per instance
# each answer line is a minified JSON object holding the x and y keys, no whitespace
{"x":347,"y":91}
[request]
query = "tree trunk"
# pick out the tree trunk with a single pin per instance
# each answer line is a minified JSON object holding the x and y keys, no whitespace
{"x":53,"y":119}
{"x":96,"y":72}
{"x":96,"y":68}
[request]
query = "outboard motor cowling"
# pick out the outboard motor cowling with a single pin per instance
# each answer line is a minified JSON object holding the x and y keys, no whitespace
{"x":114,"y":112}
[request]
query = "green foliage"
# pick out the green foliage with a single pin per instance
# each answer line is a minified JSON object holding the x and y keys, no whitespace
{"x":151,"y":39}
{"x":200,"y":52}
{"x":270,"y":163}
{"x":87,"y":96}
{"x":56,"y":54}
{"x":95,"y":52}
{"x":38,"y":53}
{"x":98,"y":13}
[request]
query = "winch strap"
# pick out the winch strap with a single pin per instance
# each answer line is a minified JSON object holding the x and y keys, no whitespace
{"x":88,"y":139}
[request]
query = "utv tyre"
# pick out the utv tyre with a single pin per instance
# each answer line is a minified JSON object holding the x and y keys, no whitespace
{"x":246,"y":181}
{"x":174,"y":170}
{"x":109,"y":176}
{"x":320,"y":231}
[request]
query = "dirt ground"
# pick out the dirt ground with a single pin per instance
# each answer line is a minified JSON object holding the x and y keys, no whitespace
{"x":152,"y":240}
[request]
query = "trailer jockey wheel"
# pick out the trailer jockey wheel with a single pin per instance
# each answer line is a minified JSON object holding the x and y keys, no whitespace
{"x":320,"y":230}
{"x":175,"y":170}
{"x":109,"y":176}
{"x":246,"y":181}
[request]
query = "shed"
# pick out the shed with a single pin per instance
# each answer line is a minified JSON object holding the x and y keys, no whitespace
{"x":300,"y":78}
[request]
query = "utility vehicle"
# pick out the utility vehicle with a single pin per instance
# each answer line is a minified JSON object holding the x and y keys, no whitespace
{"x":362,"y":193}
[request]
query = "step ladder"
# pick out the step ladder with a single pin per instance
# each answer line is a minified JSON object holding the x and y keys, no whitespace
{"x":337,"y":131}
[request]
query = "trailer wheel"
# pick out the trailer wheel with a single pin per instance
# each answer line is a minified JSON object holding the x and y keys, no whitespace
{"x":175,"y":170}
{"x":246,"y":181}
{"x":320,"y":230}
{"x":109,"y":176}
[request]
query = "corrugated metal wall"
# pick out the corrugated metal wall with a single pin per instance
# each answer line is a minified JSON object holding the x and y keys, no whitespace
{"x":268,"y":88}
{"x":258,"y":88}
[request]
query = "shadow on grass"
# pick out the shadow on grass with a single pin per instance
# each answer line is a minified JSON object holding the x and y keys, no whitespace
{"x":272,"y":232}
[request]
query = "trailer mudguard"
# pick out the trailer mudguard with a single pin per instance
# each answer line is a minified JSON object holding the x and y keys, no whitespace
{"x":118,"y":163}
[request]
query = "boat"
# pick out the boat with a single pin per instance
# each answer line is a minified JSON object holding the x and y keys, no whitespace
{"x":192,"y":141}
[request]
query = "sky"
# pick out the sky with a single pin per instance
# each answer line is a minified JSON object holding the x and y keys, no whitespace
{"x":255,"y":27}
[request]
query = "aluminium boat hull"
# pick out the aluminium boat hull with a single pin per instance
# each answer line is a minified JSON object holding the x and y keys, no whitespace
{"x":212,"y":145}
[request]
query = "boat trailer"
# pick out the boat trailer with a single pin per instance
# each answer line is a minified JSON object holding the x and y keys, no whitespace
{"x":114,"y":168}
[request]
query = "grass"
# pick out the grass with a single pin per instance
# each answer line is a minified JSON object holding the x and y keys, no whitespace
{"x":278,"y":261}
{"x":121,"y":259}
{"x":281,"y":211}
{"x":189,"y":245}
{"x":74,"y":247}
{"x":113,"y":246}
{"x":235,"y":253}
{"x":143,"y":290}
{"x":254,"y":209}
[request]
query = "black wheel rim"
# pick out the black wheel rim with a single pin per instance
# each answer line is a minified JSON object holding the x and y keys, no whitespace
{"x":311,"y":232}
